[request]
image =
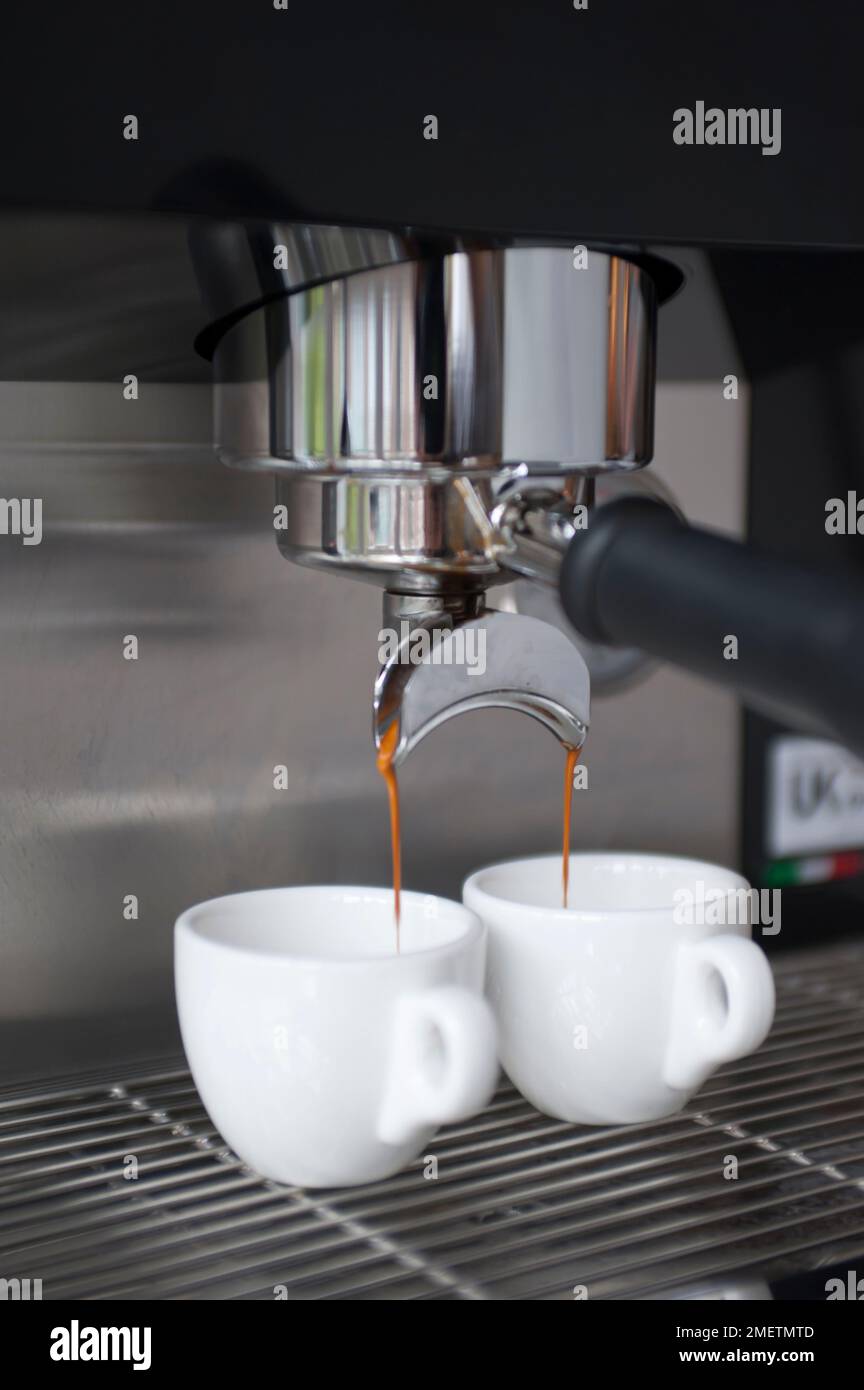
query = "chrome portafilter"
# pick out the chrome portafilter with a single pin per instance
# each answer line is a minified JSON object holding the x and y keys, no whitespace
{"x":415,"y":398}
{"x":435,"y":423}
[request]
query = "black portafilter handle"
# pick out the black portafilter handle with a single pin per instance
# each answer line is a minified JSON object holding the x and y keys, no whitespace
{"x":638,"y":576}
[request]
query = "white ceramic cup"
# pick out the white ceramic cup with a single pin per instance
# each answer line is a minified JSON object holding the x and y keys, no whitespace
{"x":615,"y":1010}
{"x":322,"y":1056}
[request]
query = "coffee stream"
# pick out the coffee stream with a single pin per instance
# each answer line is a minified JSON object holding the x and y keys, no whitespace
{"x":384,"y":763}
{"x":569,"y":770}
{"x":385,"y":766}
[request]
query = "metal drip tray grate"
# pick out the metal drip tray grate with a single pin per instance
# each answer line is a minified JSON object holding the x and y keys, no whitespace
{"x":522,"y":1207}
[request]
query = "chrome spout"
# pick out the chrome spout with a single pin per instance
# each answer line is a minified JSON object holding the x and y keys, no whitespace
{"x":447,"y":662}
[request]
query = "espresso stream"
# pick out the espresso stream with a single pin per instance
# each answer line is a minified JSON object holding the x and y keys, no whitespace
{"x":569,"y":769}
{"x":384,"y":763}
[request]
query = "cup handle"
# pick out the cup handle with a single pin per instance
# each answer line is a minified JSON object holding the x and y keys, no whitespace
{"x":711,"y":1026}
{"x":443,"y":1061}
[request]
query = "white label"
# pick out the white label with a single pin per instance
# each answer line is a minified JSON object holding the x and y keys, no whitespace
{"x":815,"y":797}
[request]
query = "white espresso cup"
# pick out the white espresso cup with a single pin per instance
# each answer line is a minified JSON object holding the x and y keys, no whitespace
{"x":323,"y":1056}
{"x":618,"y":1008}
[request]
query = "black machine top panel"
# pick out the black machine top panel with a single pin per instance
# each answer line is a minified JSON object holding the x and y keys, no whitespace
{"x":552,"y":120}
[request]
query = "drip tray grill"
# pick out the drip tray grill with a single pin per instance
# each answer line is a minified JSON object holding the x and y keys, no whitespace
{"x":522,"y":1206}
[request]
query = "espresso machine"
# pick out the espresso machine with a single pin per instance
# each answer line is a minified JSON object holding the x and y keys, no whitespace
{"x":436,"y":309}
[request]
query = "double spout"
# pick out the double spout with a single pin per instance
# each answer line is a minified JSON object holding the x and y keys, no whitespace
{"x":491,"y":659}
{"x":448,"y":655}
